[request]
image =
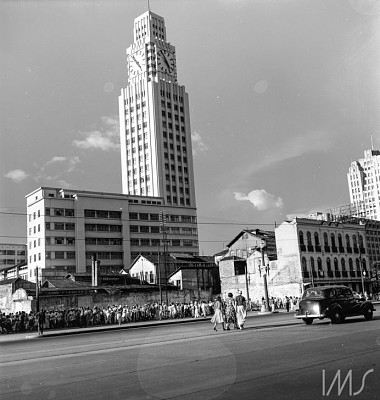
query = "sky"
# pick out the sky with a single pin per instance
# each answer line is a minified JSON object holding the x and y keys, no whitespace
{"x":284,"y":95}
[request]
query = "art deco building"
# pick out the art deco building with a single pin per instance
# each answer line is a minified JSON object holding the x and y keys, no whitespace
{"x":364,"y":185}
{"x":155,"y":136}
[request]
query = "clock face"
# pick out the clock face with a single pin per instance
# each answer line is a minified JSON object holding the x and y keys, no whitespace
{"x":165,"y":61}
{"x":137,"y":62}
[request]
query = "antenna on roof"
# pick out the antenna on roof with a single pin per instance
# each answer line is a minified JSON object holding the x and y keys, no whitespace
{"x":371,"y":142}
{"x":148,"y":6}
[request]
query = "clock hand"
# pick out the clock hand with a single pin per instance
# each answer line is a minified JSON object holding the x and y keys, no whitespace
{"x":134,"y":58}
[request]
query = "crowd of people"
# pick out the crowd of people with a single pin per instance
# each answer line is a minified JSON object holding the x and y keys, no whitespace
{"x":84,"y":317}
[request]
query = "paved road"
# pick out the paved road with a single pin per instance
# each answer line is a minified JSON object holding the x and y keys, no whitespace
{"x":275,"y":357}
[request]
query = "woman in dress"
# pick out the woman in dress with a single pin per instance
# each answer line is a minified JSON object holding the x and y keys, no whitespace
{"x":218,"y":317}
{"x":230,"y":312}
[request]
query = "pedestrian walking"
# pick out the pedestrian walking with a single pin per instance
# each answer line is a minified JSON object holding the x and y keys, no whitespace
{"x":241,"y":313}
{"x":230,"y":312}
{"x":218,"y":317}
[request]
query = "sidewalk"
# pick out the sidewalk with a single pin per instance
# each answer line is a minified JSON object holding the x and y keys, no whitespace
{"x":129,"y":325}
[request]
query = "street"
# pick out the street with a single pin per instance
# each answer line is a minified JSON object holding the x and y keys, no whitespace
{"x":275,"y":357}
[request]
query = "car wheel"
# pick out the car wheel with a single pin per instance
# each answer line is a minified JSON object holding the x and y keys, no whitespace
{"x":337,"y":316}
{"x":368,"y":313}
{"x":308,"y":321}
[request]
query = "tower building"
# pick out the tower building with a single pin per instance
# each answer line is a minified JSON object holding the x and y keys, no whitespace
{"x":155,"y":135}
{"x":364,"y":185}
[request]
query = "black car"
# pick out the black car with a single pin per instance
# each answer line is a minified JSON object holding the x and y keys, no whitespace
{"x":334,"y":302}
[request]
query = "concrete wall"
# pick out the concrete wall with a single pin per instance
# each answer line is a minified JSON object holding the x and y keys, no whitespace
{"x":19,"y":301}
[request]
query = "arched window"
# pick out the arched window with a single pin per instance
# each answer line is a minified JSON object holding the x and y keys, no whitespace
{"x":316,"y":239}
{"x":325,"y":239}
{"x":354,"y":240}
{"x":333,"y":240}
{"x":350,"y":264}
{"x":308,"y":236}
{"x":336,"y":265}
{"x":328,"y":263}
{"x":357,"y":262}
{"x":364,"y":264}
{"x":361,"y":241}
{"x":312,"y":263}
{"x":348,"y":245}
{"x":340,"y":241}
{"x":319,"y":263}
{"x":343,"y":264}
{"x":303,"y":263}
{"x":301,"y":238}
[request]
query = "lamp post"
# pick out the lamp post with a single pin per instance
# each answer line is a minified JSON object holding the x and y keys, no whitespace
{"x":265,"y":270}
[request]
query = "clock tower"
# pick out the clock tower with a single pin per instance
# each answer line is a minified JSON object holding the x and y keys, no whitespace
{"x":155,"y":135}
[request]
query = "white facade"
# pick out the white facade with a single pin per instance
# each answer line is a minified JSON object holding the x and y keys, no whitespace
{"x":155,"y":135}
{"x":316,"y":252}
{"x":364,"y":185}
{"x":66,"y":227}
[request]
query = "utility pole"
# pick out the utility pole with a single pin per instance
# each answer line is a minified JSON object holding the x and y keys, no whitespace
{"x":164,"y":240}
{"x":37,"y":291}
{"x":159,"y":273}
{"x":264,"y":268}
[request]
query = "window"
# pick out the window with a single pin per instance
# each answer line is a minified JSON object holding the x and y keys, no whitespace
{"x":59,"y":226}
{"x":59,"y":255}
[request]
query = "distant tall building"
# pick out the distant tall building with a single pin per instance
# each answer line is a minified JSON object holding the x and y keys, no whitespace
{"x":364,"y":185}
{"x":155,"y":135}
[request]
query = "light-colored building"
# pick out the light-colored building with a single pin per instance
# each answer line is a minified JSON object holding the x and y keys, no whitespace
{"x":12,"y":261}
{"x":185,"y":271}
{"x":242,"y":267}
{"x":65,"y":228}
{"x":155,"y":135}
{"x":364,"y":185}
{"x":318,"y":252}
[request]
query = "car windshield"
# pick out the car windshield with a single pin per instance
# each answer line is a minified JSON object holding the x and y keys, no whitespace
{"x":314,"y":294}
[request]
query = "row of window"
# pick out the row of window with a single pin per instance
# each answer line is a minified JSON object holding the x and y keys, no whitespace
{"x":169,"y":106}
{"x":105,"y":255}
{"x":12,"y":252}
{"x":158,"y":242}
{"x":60,"y":226}
{"x":331,"y":240}
{"x":165,"y":217}
{"x":102,"y":228}
{"x":10,"y":261}
{"x":158,"y":229}
{"x":342,"y":264}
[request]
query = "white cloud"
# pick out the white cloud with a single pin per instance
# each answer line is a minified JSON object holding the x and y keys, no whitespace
{"x":261,"y":199}
{"x":16,"y":175}
{"x":105,"y":137}
{"x":198,"y":145}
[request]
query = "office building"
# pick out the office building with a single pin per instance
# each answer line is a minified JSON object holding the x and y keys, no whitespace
{"x":155,"y":135}
{"x":364,"y":185}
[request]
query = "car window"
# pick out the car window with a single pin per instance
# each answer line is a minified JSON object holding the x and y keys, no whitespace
{"x":314,"y":294}
{"x":347,"y":292}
